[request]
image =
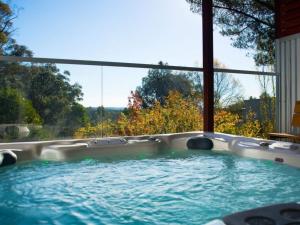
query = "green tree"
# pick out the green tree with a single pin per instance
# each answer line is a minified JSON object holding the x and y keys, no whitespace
{"x":8,"y":45}
{"x":249,"y":23}
{"x":76,"y":117}
{"x":16,"y":109}
{"x":51,"y":93}
{"x":159,"y":82}
{"x":42,"y":88}
{"x":6,"y":18}
{"x":13,"y":75}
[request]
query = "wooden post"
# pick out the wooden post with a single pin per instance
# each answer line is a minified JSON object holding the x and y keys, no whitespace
{"x":208,"y":65}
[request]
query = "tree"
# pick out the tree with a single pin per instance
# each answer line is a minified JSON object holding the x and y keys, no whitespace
{"x":76,"y":117}
{"x":6,"y":18}
{"x":268,"y":97}
{"x":48,"y":90}
{"x":105,"y":128}
{"x":178,"y":114}
{"x":249,"y":23}
{"x":51,"y":93}
{"x":226,"y":122}
{"x":8,"y":45}
{"x":43,"y":91}
{"x":159,"y":82}
{"x":252,"y":127}
{"x":16,"y":109}
{"x":267,"y":111}
{"x":157,"y":85}
{"x":227,"y":90}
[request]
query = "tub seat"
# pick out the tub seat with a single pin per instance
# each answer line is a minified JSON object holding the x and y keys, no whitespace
{"x":100,"y":149}
{"x":281,"y":152}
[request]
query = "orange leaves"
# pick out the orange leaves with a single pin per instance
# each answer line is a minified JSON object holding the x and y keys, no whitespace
{"x":106,"y":128}
{"x":134,"y":102}
{"x":178,"y":114}
{"x":226,"y":122}
{"x":252,"y":127}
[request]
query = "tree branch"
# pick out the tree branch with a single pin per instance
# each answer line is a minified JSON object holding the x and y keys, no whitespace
{"x":7,"y":23}
{"x":246,"y":15}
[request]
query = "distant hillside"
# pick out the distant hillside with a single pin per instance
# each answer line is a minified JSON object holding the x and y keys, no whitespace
{"x":107,"y":108}
{"x":109,"y":113}
{"x":115,"y":108}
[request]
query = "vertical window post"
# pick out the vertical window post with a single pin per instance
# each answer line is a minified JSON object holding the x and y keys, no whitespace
{"x":208,"y":65}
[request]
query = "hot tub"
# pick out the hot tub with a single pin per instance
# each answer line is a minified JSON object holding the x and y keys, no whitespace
{"x":145,"y":180}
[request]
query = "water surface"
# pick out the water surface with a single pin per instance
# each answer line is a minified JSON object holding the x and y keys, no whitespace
{"x":191,"y":189}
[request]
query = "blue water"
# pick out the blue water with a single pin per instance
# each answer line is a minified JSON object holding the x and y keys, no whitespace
{"x":191,"y":189}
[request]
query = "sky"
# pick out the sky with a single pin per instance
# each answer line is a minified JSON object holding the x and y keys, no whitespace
{"x":136,"y":31}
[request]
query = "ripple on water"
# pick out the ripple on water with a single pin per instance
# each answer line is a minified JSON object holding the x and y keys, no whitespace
{"x":192,"y":189}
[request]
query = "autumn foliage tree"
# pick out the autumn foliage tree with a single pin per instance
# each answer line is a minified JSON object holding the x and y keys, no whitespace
{"x":178,"y":114}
